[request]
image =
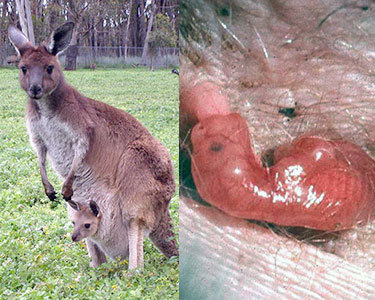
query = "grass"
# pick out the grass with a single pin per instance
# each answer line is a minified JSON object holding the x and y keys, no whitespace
{"x":37,"y":258}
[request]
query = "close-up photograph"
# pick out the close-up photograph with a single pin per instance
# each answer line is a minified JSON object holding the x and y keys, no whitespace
{"x":277,"y":169}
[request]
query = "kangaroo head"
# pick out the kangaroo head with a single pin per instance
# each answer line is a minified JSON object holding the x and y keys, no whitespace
{"x":86,"y":219}
{"x":40,"y":70}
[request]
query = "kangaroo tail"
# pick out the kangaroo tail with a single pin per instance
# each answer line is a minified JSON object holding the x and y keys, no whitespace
{"x":163,"y":237}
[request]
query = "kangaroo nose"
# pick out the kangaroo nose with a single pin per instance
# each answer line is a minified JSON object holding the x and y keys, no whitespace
{"x":36,"y":89}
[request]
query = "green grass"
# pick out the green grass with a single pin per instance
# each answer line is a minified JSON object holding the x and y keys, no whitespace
{"x":37,"y":258}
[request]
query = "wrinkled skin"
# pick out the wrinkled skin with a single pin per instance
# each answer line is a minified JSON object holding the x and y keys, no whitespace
{"x":314,"y":62}
{"x":315,"y":183}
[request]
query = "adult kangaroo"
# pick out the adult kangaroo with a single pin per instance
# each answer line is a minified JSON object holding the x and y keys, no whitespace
{"x":101,"y":152}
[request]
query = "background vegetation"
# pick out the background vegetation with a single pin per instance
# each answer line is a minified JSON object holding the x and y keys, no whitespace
{"x":37,"y":258}
{"x":113,"y":28}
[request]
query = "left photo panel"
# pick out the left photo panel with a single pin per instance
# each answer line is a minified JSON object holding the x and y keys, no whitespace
{"x":89,"y":149}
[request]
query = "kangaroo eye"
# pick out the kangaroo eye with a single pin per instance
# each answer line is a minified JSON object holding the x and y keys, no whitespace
{"x":50,"y":69}
{"x":87,"y":226}
{"x":73,"y":223}
{"x":24,"y":69}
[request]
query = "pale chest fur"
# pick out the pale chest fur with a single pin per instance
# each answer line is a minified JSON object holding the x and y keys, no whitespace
{"x":59,"y":139}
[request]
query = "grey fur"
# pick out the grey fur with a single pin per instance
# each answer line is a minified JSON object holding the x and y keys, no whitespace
{"x":101,"y":153}
{"x":18,"y":39}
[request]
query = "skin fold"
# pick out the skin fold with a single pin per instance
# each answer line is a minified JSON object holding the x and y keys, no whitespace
{"x":315,"y":183}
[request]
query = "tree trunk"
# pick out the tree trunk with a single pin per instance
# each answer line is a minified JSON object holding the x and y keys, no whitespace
{"x":128,"y":28}
{"x":134,"y":28}
{"x":142,"y":25}
{"x":12,"y":12}
{"x":71,"y":58}
{"x":29,"y":21}
{"x":3,"y":23}
{"x":52,"y":16}
{"x":76,"y":12}
{"x":21,"y":14}
{"x":95,"y":37}
{"x":149,"y":27}
{"x":26,"y":20}
{"x":72,"y":51}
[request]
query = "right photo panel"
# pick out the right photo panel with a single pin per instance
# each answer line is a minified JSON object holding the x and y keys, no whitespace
{"x":277,"y":148}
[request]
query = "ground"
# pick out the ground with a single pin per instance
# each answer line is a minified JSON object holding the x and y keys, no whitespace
{"x":38,"y":260}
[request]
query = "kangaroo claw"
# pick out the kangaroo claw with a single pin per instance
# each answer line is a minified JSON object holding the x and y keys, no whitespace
{"x":52,"y":196}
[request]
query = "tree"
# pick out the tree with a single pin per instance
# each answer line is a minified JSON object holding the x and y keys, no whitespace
{"x":163,"y":35}
{"x":26,"y":21}
{"x":75,"y":9}
{"x":114,"y":23}
{"x":130,"y":19}
{"x":149,"y":27}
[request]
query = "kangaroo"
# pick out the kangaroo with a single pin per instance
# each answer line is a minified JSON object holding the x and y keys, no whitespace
{"x":105,"y":232}
{"x":99,"y":151}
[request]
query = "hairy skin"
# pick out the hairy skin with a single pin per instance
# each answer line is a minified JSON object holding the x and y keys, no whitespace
{"x":315,"y":183}
{"x":322,"y":78}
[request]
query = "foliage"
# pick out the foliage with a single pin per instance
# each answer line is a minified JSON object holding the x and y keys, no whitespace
{"x":163,"y":34}
{"x":37,"y":258}
{"x":101,"y":23}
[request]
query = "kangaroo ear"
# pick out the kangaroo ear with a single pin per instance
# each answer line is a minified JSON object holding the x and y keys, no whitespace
{"x":94,"y":208}
{"x":74,"y":205}
{"x":18,"y":39}
{"x":59,"y":39}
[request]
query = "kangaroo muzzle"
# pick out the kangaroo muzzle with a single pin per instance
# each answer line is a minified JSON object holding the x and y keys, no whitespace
{"x":75,"y":237}
{"x":35,"y":91}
